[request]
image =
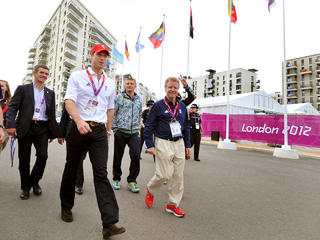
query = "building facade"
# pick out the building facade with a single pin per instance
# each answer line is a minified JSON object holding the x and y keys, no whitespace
{"x":215,"y":83}
{"x":65,"y":44}
{"x":303,"y":80}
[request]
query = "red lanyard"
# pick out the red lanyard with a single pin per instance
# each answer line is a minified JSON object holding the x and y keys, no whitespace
{"x":42,"y":101}
{"x":92,"y":83}
{"x":176,"y":109}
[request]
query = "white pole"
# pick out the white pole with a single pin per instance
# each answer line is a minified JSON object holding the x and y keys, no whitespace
{"x":228,"y":78}
{"x":138,"y":81}
{"x":162,"y":58}
{"x":285,"y":119}
{"x":188,"y":46}
{"x":124,"y":54}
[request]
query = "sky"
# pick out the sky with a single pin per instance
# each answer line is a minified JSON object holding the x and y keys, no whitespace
{"x":256,"y":38}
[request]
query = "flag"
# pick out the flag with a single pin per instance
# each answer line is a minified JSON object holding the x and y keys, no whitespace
{"x":271,"y":3}
{"x":117,"y":56}
{"x":232,"y":12}
{"x":126,"y":51}
{"x":138,"y":45}
{"x":191,"y":25}
{"x":158,"y":36}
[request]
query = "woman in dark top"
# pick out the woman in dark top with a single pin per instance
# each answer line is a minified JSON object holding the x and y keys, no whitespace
{"x":4,"y":102}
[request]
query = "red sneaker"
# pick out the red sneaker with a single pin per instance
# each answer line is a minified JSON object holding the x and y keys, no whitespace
{"x":174,"y":210}
{"x":149,"y":199}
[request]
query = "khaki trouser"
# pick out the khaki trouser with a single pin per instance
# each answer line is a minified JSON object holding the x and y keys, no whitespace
{"x":170,"y":160}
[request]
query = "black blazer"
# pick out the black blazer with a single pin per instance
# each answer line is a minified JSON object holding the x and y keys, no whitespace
{"x":22,"y":103}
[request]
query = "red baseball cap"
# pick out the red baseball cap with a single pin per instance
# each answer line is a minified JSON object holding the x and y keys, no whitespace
{"x":99,"y":48}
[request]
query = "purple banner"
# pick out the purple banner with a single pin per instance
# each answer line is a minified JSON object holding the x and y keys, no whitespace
{"x":302,"y":130}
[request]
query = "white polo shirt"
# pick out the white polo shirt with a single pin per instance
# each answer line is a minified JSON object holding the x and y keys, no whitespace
{"x":80,"y":90}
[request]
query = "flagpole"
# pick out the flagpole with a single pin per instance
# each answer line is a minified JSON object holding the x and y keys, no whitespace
{"x":124,"y":53}
{"x":138,"y":82}
{"x":162,"y":56}
{"x":227,"y":144}
{"x":188,"y":46}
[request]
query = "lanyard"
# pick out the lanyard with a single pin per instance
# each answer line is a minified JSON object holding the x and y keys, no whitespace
{"x":175,"y":113}
{"x":42,"y":101}
{"x":92,"y":83}
{"x":5,"y":109}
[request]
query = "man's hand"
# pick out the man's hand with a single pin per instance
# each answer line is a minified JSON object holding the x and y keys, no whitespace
{"x":188,"y":153}
{"x":83,"y":127}
{"x":183,"y":81}
{"x":2,"y":136}
{"x":12,"y":132}
{"x":151,"y":151}
{"x":60,"y":141}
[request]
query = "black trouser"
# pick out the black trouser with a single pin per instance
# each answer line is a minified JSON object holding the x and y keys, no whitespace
{"x":121,"y":139}
{"x":96,"y":143}
{"x":80,"y":176}
{"x":38,"y":136}
{"x":141,"y":139}
{"x":195,"y":140}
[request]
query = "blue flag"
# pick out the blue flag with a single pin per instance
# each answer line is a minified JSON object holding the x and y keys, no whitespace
{"x":108,"y":64}
{"x":138,"y":45}
{"x":117,"y":56}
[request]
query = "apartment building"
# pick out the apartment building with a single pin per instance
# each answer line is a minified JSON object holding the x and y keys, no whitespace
{"x":65,"y":44}
{"x":303,"y":80}
{"x":215,"y":83}
{"x":144,"y":92}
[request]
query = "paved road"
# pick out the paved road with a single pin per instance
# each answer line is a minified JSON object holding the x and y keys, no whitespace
{"x":229,"y":195}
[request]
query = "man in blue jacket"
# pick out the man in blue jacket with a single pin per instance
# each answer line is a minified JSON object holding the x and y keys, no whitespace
{"x":126,"y":125}
{"x":168,"y":121}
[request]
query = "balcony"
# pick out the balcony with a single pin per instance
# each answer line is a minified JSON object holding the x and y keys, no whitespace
{"x":75,"y":16}
{"x":76,"y":7}
{"x":33,"y":49}
{"x":45,"y":36}
{"x":318,"y":76}
{"x":42,"y":60}
{"x":303,"y":87}
{"x":66,"y":71}
{"x":93,"y":41}
{"x":72,"y":35}
{"x":65,"y":81}
{"x":291,"y":66}
{"x":27,"y":79}
{"x":317,"y":60}
{"x":292,"y":95}
{"x":69,"y":63}
{"x":292,"y":74}
{"x":72,"y":24}
{"x":70,"y":53}
{"x":71,"y":44}
{"x":30,"y":66}
{"x":43,"y":52}
{"x":318,"y":69}
{"x":30,"y":60}
{"x":290,"y":80}
{"x":32,"y":54}
{"x":99,"y":38}
{"x":102,"y":33}
{"x":44,"y":45}
{"x":305,"y":71}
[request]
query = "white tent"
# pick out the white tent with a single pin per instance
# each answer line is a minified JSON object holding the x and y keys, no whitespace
{"x":246,"y":103}
{"x":302,"y":108}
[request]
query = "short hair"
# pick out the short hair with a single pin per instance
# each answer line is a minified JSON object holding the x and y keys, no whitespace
{"x":37,"y":67}
{"x":171,"y":79}
{"x":130,"y":78}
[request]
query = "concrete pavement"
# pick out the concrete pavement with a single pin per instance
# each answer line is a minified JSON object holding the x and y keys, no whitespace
{"x":240,"y":195}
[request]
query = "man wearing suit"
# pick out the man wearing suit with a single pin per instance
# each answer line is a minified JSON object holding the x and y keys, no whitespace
{"x":35,"y":124}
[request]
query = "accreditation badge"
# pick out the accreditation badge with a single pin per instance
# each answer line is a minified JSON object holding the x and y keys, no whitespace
{"x":175,"y":128}
{"x":36,"y":114}
{"x":91,"y":107}
{"x":197,"y":125}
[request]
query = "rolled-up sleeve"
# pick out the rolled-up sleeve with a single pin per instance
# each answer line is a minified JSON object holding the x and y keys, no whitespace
{"x":72,"y":87}
{"x":110,"y":100}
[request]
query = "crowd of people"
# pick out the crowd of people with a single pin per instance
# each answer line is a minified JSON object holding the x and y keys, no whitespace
{"x":90,"y":115}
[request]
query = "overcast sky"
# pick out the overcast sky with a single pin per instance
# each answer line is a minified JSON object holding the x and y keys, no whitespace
{"x":256,"y":38}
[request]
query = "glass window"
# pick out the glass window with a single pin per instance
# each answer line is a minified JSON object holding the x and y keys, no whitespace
{"x":302,"y":62}
{"x":310,"y":60}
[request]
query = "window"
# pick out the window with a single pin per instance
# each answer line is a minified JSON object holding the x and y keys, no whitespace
{"x":223,"y":77}
{"x":303,"y":93}
{"x":230,"y":75}
{"x":302,"y":62}
{"x":217,"y":78}
{"x":302,"y":77}
{"x":310,"y":77}
{"x":310,"y":68}
{"x":238,"y":74}
{"x":224,"y":82}
{"x":310,"y":60}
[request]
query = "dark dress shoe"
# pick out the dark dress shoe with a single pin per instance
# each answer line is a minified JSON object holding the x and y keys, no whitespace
{"x":66,"y":215}
{"x":198,"y":160}
{"x":79,"y":190}
{"x":112,"y":230}
{"x":37,"y":189}
{"x":24,"y":194}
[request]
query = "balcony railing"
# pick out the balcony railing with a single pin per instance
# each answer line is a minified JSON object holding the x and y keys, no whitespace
{"x":76,"y":7}
{"x":70,"y":53}
{"x":70,"y":63}
{"x":75,"y":16}
{"x":73,"y":35}
{"x":71,"y":44}
{"x":33,"y":49}
{"x":75,"y":26}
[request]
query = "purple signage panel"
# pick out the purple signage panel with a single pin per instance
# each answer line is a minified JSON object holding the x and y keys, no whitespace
{"x":302,"y":130}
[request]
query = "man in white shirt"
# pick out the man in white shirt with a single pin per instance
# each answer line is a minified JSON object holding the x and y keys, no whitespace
{"x":89,"y":101}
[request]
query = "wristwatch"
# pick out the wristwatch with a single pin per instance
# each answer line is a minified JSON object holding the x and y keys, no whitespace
{"x":110,"y":132}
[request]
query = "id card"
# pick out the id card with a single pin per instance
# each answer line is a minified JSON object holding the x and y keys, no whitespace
{"x":175,"y":129}
{"x":91,"y":107}
{"x":197,"y":126}
{"x":36,"y":114}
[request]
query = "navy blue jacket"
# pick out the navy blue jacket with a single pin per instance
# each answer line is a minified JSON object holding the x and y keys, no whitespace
{"x":159,"y":120}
